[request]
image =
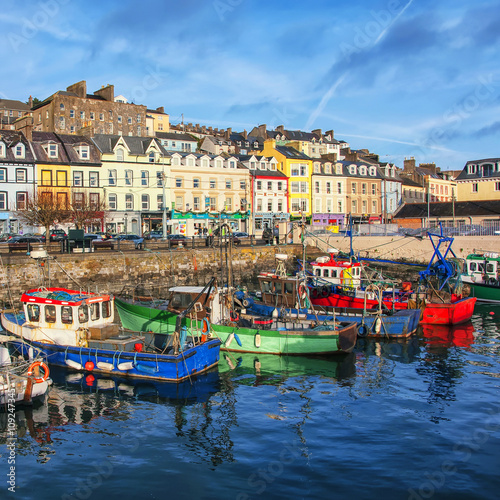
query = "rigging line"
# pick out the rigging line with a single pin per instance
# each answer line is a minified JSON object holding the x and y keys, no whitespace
{"x":69,"y":276}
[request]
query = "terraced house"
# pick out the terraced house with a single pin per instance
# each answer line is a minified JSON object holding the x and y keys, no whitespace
{"x":135,"y":182}
{"x":479,"y":180}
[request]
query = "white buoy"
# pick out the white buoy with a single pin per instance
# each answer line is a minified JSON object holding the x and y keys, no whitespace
{"x":74,"y":364}
{"x":257,"y":340}
{"x":229,"y":340}
{"x":378,"y":325}
{"x":102,"y":365}
{"x":4,"y":356}
{"x":275,"y":313}
{"x":127,"y":365}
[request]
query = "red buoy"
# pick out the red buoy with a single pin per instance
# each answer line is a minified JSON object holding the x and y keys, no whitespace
{"x":492,"y":313}
{"x":89,"y":380}
{"x":138,"y":347}
{"x":89,"y":366}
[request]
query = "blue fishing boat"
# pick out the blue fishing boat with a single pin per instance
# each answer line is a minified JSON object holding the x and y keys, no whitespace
{"x":74,"y":329}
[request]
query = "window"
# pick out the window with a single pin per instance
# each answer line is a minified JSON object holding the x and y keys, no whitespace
{"x":138,"y":130}
{"x":354,"y":206}
{"x":129,"y":202}
{"x":159,"y":179}
{"x":228,"y":205}
{"x":374,"y":189}
{"x":259,"y":185}
{"x":119,"y":119}
{"x":33,"y":312}
{"x":119,"y":154}
{"x":144,"y":178}
{"x":50,"y":314}
{"x":229,"y":184}
{"x":269,"y":185}
{"x":72,"y":129}
{"x":83,"y":152}
{"x":374,"y":207}
{"x":145,"y":202}
{"x":112,"y":201}
{"x":83,"y":314}
{"x":159,"y":202}
{"x":179,"y":202}
{"x":178,"y":182}
{"x":280,"y":205}
{"x":94,"y":179}
{"x":269,"y":205}
{"x":259,"y":205}
{"x":328,"y":188}
{"x":106,"y":309}
{"x":280,"y":186}
{"x":46,"y":177}
{"x":316,"y":189}
{"x":61,"y":106}
{"x":339,"y":187}
{"x":196,"y":183}
{"x":138,"y":118}
{"x":196,"y":203}
{"x":129,"y":177}
{"x":92,"y":115}
{"x":77,"y":179}
{"x":152,"y":157}
{"x":232,"y":164}
{"x":94,"y":201}
{"x":3,"y":175}
{"x":21,"y":199}
{"x":474,"y":187}
{"x":497,"y":186}
{"x":204,"y":163}
{"x":62,"y":123}
{"x":213,"y":184}
{"x":82,"y":115}
{"x":52,"y":150}
{"x":19,"y":151}
{"x":364,"y":206}
{"x":129,"y":120}
{"x":21,"y":174}
{"x":101,"y":116}
{"x":3,"y":201}
{"x":62,"y":178}
{"x":294,"y":187}
{"x":71,"y":113}
{"x":353,"y":188}
{"x":304,"y":187}
{"x":112,"y":177}
{"x":363,"y":188}
{"x":110,"y":128}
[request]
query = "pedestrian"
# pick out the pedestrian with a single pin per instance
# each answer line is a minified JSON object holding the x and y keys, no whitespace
{"x":276,"y":233}
{"x":267,"y":235}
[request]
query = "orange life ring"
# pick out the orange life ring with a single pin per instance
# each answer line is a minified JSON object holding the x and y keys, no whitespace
{"x":46,"y":371}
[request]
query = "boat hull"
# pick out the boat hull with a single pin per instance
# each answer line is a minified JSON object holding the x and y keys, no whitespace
{"x":483,"y":292}
{"x":448,"y":313}
{"x":167,"y":367}
{"x":256,"y":340}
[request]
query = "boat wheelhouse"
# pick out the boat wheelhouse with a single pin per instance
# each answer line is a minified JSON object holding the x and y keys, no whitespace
{"x":66,"y":317}
{"x":481,"y":272}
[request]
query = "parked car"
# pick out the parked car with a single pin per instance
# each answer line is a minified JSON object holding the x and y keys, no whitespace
{"x":153,"y":235}
{"x":177,"y":239}
{"x":7,"y":236}
{"x":35,"y":235}
{"x":57,"y":235}
{"x":241,"y":235}
{"x":137,"y":240}
{"x":23,"y":242}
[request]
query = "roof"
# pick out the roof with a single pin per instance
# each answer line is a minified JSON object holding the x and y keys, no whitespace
{"x":410,"y":182}
{"x":299,"y":135}
{"x":447,"y":209}
{"x":7,"y":104}
{"x":479,"y":173}
{"x":11,"y":138}
{"x":176,"y":137}
{"x":137,"y":145}
{"x":292,"y":153}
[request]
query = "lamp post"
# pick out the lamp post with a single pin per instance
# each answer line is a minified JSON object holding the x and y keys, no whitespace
{"x":164,"y":206}
{"x":126,"y":220}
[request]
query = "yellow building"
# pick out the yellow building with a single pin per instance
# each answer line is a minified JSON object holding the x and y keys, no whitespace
{"x":479,"y":180}
{"x":298,"y":167}
{"x":157,"y":121}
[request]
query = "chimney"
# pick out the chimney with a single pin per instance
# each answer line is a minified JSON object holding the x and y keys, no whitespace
{"x":107,"y":93}
{"x":262,"y":131}
{"x":280,"y":128}
{"x":228,"y":133}
{"x":30,"y":102}
{"x":25,"y":126}
{"x":87,"y":131}
{"x":161,"y":109}
{"x":80,"y":89}
{"x":409,"y":164}
{"x":244,"y":134}
{"x":330,"y":133}
{"x":318,"y":133}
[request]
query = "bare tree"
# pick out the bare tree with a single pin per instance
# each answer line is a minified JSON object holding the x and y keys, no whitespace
{"x":46,"y":209}
{"x":86,"y":209}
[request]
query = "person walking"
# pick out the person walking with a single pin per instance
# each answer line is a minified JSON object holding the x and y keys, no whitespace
{"x":276,"y":234}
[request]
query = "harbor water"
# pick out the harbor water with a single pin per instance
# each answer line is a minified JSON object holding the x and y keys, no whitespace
{"x":413,"y":419}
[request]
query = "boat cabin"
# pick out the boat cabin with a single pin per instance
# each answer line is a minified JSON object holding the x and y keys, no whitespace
{"x":337,"y":271}
{"x":481,"y":267}
{"x":63,"y":309}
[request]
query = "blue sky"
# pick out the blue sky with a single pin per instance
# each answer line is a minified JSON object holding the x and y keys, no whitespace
{"x":400,"y":78}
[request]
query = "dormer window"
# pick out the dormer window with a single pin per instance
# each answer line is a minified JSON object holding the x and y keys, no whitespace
{"x":51,"y":150}
{"x":19,"y":151}
{"x":83,"y":152}
{"x":373,"y":171}
{"x":352,"y":169}
{"x":362,"y":170}
{"x":273,"y":166}
{"x":152,"y":157}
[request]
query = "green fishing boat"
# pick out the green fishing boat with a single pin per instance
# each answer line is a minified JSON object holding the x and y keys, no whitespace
{"x":481,"y":272}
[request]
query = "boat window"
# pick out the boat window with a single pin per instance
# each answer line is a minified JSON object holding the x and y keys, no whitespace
{"x":67,"y":315}
{"x":472,"y":267}
{"x":50,"y":314}
{"x":326,"y":273}
{"x":33,"y":312}
{"x":480,"y":267}
{"x":490,"y":268}
{"x":181,"y":300}
{"x":83,"y":314}
{"x":334,"y":273}
{"x":317,"y":272}
{"x":289,"y":288}
{"x":277,"y":287}
{"x":266,"y":286}
{"x":94,"y":311}
{"x":106,"y":309}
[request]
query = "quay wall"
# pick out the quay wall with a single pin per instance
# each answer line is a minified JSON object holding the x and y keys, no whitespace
{"x":113,"y":271}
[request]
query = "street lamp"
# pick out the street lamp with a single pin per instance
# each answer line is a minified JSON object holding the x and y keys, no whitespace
{"x":126,"y":220}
